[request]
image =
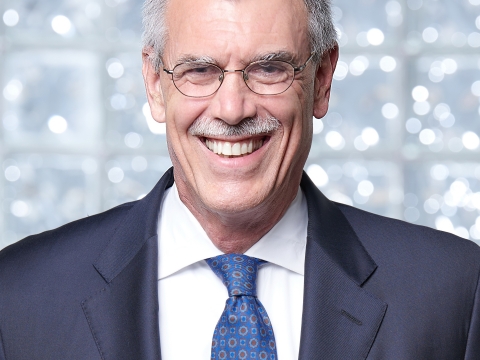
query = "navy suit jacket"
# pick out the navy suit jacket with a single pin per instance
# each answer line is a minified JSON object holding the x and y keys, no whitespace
{"x":375,"y":288}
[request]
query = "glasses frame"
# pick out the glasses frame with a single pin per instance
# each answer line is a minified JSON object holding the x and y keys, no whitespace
{"x":296,"y":70}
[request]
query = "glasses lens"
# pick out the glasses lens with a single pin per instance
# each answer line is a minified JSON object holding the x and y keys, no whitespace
{"x":269,"y":77}
{"x":197,"y":79}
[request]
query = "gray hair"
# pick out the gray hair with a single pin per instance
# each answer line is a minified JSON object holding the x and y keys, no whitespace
{"x":248,"y":127}
{"x":321,"y":32}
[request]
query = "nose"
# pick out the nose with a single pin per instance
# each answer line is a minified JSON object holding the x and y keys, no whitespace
{"x":233,"y":101}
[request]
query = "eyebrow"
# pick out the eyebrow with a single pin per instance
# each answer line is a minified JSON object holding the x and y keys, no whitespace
{"x":188,"y":58}
{"x":278,"y":55}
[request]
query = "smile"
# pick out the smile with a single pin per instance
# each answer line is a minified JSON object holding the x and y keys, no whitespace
{"x":234,"y":149}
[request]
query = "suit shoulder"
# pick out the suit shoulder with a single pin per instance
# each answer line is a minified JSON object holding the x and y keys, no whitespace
{"x":382,"y":234}
{"x":86,"y":235}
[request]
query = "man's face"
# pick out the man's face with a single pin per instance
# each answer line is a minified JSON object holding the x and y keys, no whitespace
{"x":234,"y":33}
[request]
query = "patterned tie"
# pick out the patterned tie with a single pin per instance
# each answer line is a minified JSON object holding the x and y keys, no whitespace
{"x":244,"y":330}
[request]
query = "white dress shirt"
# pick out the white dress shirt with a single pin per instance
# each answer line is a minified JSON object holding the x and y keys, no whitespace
{"x":192,"y":297}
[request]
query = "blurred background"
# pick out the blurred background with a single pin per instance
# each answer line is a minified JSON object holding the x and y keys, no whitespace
{"x":401,"y":138}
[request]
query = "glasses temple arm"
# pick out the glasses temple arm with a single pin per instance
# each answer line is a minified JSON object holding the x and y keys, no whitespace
{"x":302,"y":67}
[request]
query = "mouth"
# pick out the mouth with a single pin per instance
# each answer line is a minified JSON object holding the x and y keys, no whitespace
{"x":232,"y":149}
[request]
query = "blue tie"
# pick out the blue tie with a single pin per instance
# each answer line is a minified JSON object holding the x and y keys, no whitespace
{"x":244,"y":330}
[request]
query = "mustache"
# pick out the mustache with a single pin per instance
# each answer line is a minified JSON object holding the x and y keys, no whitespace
{"x":251,"y":126}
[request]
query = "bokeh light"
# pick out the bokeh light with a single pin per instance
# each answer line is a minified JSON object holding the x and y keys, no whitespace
{"x":400,"y":138}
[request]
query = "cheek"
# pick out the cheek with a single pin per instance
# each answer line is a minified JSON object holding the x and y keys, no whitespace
{"x":305,"y":114}
{"x":296,"y":117}
{"x":294,"y":112}
{"x":181,"y":113}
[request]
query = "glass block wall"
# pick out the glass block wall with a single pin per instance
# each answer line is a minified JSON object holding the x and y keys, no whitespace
{"x":401,"y":138}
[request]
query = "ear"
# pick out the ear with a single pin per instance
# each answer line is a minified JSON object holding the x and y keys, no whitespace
{"x":323,"y":81}
{"x":152,"y":86}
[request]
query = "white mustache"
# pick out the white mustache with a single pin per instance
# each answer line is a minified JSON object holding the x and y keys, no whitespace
{"x":208,"y":127}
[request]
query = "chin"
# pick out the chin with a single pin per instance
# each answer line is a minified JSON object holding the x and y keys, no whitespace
{"x":236,"y":202}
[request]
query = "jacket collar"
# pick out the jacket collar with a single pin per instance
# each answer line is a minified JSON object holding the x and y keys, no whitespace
{"x":327,"y":226}
{"x":140,"y":224}
{"x":329,"y":229}
{"x":123,"y":316}
{"x":340,"y":319}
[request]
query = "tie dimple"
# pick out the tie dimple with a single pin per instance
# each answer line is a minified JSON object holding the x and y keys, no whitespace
{"x":244,"y":330}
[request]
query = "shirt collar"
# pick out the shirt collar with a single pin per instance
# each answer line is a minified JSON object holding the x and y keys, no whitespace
{"x":285,"y":243}
{"x":182,"y":240}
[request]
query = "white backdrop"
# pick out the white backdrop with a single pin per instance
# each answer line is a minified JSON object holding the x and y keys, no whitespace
{"x":401,"y":138}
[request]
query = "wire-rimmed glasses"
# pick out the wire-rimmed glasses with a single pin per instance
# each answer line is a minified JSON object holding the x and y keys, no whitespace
{"x":264,"y":77}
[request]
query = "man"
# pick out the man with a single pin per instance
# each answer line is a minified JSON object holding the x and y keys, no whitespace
{"x":237,"y":83}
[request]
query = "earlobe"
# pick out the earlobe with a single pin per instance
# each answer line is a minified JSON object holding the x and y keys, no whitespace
{"x":153,"y":88}
{"x":323,"y":81}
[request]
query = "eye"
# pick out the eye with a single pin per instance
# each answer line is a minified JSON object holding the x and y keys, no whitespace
{"x":268,"y":70}
{"x":271,"y":68}
{"x":201,"y":70}
{"x":196,"y":71}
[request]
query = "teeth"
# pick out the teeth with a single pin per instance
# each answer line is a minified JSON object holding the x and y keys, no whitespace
{"x":236,"y":149}
{"x":244,"y":149}
{"x":227,"y":148}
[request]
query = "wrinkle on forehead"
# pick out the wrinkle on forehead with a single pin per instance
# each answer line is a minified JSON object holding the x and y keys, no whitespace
{"x":229,"y":25}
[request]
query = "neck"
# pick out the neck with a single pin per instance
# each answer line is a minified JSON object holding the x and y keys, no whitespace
{"x":238,"y":232}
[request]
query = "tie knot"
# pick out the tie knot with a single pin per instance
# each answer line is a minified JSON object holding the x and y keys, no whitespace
{"x":238,"y":273}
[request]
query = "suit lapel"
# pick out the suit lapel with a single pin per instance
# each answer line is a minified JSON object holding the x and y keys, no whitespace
{"x":340,"y":319}
{"x":123,"y":316}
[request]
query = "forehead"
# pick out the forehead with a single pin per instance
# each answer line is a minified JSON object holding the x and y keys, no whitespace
{"x":235,"y":30}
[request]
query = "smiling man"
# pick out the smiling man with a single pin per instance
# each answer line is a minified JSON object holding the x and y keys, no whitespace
{"x":213,"y":113}
{"x":237,"y":86}
{"x":235,"y":254}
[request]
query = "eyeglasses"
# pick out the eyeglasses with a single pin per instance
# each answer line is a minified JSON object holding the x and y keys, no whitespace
{"x":265,"y":77}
